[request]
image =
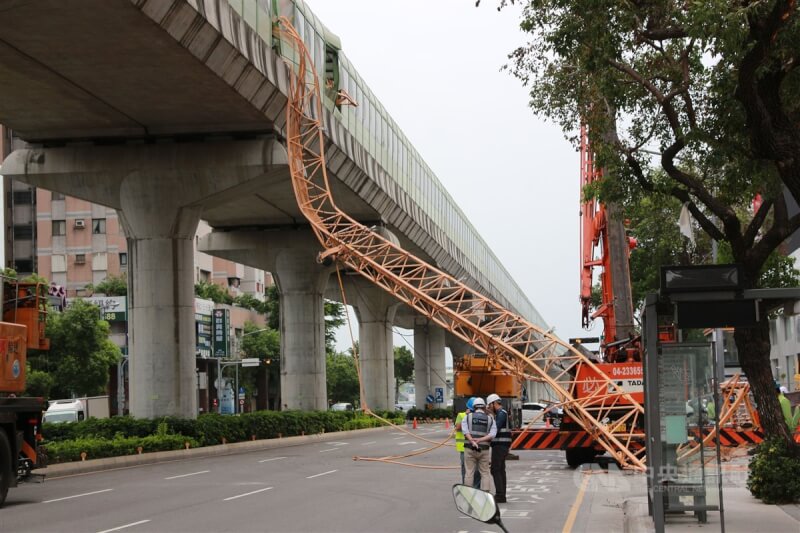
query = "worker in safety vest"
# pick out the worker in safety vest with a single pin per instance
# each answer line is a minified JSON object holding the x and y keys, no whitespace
{"x":501,"y":444}
{"x":460,"y":435}
{"x":479,"y":429}
{"x":791,"y":418}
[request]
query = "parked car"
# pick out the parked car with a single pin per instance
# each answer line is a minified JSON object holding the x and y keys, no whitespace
{"x":404,"y":406}
{"x":531,"y":410}
{"x":342,"y":406}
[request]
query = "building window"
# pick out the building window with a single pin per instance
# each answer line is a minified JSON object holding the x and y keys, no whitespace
{"x":23,"y":231}
{"x":57,"y":196}
{"x":23,"y":197}
{"x":58,"y":263}
{"x":59,"y":227}
{"x":80,"y":259}
{"x":23,"y":266}
{"x":123,"y":259}
{"x":100,"y":261}
{"x":98,"y":226}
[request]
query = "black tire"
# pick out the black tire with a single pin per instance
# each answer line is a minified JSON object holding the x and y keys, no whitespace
{"x":577,"y":456}
{"x":5,"y":466}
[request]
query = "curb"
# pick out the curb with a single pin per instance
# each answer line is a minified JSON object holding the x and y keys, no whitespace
{"x":635,"y":516}
{"x":128,"y":461}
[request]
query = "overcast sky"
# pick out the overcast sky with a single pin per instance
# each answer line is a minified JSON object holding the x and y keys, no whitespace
{"x":435,"y":66}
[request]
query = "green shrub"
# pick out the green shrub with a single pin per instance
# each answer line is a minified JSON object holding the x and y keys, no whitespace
{"x":95,"y":448}
{"x":774,"y":474}
{"x":425,"y":414}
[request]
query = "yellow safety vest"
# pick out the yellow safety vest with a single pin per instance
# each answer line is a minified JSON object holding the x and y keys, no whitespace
{"x":459,"y":435}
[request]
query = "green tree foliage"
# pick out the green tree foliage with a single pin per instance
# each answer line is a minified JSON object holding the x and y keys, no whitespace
{"x":249,"y":301}
{"x":403,"y":366}
{"x":334,"y":319}
{"x":80,"y":351}
{"x":212,"y":291}
{"x":38,"y":383}
{"x":112,"y":286}
{"x":334,"y":316}
{"x":273,"y":307}
{"x":264,"y":344}
{"x":342,"y":378}
{"x":693,"y":101}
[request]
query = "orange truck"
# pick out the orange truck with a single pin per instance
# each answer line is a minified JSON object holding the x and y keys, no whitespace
{"x":23,"y":326}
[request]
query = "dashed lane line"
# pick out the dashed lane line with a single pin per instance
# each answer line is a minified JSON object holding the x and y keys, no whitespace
{"x":187,"y":475}
{"x":322,"y":474}
{"x":271,"y":459}
{"x":246,"y":494}
{"x":328,"y":450}
{"x":77,"y":496}
{"x":368,"y":443}
{"x":140,"y":522}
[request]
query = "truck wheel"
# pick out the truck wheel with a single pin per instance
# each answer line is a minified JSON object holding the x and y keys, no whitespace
{"x":577,"y":456}
{"x":5,"y":466}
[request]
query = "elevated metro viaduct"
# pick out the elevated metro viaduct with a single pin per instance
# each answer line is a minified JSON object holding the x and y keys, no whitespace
{"x":173,"y":110}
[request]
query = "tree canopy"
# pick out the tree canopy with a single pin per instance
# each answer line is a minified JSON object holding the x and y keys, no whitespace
{"x":80,"y":351}
{"x":112,"y":286}
{"x":696,"y":102}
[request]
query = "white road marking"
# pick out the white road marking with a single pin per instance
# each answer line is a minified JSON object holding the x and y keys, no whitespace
{"x":406,"y":442}
{"x":420,"y":449}
{"x":123,"y":527}
{"x":328,"y":450}
{"x":322,"y":474}
{"x":397,"y":433}
{"x":271,"y":459}
{"x":398,"y":438}
{"x":246,"y":494}
{"x":367,"y":443}
{"x":187,"y":475}
{"x":77,"y":496}
{"x":339,"y":443}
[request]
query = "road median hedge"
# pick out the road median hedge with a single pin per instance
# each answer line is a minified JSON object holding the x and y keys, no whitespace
{"x":124,"y":435}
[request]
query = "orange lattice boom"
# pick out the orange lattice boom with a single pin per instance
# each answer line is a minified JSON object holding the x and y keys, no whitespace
{"x":510,"y":340}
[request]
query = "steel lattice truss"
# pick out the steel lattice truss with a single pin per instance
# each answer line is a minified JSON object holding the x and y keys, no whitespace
{"x":512,"y":342}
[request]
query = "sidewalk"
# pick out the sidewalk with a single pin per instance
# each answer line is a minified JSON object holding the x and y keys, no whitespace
{"x":743,"y":513}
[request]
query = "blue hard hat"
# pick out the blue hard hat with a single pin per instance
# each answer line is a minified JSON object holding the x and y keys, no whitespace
{"x":470,"y":402}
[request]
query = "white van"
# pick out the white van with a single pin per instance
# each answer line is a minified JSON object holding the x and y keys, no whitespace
{"x":65,"y":411}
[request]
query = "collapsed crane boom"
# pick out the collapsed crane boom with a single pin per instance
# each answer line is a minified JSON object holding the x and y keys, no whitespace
{"x":507,"y":338}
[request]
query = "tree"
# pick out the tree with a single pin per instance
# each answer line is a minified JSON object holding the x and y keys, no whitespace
{"x":693,"y":101}
{"x":80,"y":351}
{"x":112,"y":286}
{"x":264,"y":344}
{"x":38,"y":383}
{"x":342,"y":378}
{"x":403,"y":366}
{"x":334,"y":316}
{"x":213,"y":292}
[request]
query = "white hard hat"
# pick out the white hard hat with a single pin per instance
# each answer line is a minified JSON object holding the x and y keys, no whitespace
{"x":478,"y":403}
{"x":784,"y":389}
{"x":492,"y":398}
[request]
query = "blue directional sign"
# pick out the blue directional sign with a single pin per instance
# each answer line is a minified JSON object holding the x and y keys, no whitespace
{"x":429,"y":398}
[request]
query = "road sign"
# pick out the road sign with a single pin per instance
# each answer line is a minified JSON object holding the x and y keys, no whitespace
{"x":251,"y":361}
{"x":429,"y":398}
{"x":241,"y":401}
{"x":439,"y":394}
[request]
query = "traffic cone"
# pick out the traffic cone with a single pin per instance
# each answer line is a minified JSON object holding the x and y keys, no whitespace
{"x":446,"y":423}
{"x":415,"y":423}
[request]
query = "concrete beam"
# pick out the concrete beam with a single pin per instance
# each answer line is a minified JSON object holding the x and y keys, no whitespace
{"x":160,"y":192}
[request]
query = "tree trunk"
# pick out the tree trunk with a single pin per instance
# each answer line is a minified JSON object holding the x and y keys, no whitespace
{"x":753,"y":346}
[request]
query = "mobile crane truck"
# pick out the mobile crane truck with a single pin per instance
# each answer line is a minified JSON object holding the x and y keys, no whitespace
{"x":22,"y":328}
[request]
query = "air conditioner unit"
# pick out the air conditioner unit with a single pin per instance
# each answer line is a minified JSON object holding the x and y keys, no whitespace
{"x":80,"y":223}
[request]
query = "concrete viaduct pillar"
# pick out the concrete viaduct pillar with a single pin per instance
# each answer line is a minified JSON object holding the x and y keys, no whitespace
{"x":291,"y":256}
{"x":429,"y":362}
{"x":375,"y":309}
{"x":160,"y":191}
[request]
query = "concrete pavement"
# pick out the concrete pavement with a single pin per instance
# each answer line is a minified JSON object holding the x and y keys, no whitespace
{"x":743,"y":513}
